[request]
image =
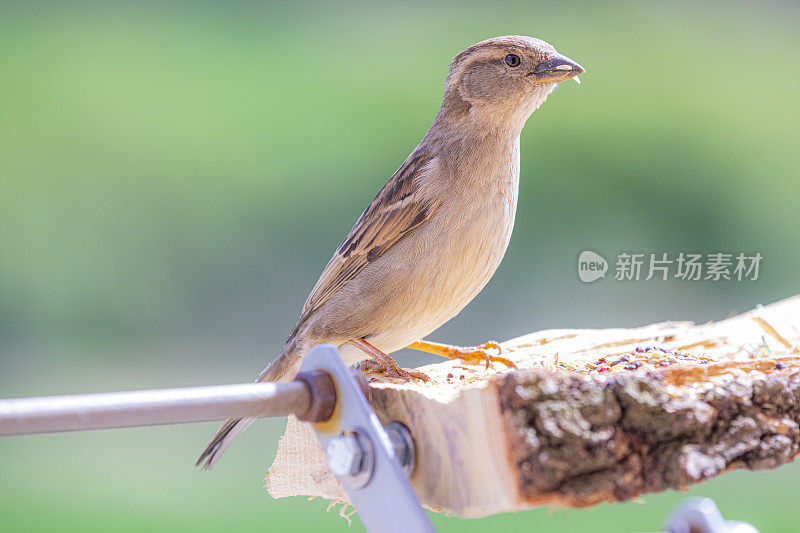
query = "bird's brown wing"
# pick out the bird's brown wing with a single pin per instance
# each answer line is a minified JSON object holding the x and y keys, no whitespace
{"x":395,"y":211}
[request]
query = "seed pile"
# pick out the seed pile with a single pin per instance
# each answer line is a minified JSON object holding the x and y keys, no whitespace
{"x":641,"y":358}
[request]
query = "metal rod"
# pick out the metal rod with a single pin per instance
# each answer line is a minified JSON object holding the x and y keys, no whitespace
{"x":151,"y":407}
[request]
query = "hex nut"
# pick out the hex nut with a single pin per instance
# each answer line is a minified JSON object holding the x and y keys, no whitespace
{"x":345,"y":455}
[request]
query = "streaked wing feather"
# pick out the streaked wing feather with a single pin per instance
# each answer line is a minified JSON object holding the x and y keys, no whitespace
{"x":397,"y":209}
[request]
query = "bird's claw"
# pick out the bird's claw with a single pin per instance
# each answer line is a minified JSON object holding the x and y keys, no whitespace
{"x":391,"y":369}
{"x":476,"y":354}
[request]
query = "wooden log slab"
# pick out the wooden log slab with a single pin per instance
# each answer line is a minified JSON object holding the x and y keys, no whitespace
{"x":588,"y":416}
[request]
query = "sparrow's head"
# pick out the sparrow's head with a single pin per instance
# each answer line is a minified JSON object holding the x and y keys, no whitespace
{"x":507,"y":76}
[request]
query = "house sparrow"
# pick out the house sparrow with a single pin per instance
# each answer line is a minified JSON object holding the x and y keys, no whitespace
{"x":435,"y":234}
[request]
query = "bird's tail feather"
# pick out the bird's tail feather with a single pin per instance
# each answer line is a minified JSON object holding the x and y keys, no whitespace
{"x":223,"y":438}
{"x":283,"y":368}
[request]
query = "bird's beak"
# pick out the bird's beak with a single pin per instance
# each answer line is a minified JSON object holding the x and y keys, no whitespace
{"x":557,"y":68}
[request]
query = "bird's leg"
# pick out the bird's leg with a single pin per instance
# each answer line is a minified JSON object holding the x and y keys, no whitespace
{"x":468,"y":354}
{"x":385,"y":363}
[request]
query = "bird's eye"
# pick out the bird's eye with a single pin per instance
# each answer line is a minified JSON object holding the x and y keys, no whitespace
{"x":512,"y":60}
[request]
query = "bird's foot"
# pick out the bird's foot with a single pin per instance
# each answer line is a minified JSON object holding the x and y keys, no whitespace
{"x":385,"y":364}
{"x":469,"y":354}
{"x":393,"y":370}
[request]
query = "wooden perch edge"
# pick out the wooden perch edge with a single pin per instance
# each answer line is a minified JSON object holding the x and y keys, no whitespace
{"x":590,"y":416}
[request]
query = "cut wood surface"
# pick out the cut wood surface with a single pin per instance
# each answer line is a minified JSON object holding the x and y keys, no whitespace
{"x":588,"y":416}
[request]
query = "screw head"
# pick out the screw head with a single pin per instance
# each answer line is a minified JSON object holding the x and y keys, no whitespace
{"x":345,"y":455}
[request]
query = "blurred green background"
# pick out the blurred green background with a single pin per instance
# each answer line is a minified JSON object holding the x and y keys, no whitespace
{"x":173,"y":178}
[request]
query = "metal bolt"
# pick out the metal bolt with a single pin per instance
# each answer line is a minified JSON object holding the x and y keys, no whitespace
{"x":403,"y":445}
{"x":350,"y":458}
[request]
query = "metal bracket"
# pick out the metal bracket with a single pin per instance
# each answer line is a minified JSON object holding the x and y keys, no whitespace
{"x":701,"y":515}
{"x":362,"y":455}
